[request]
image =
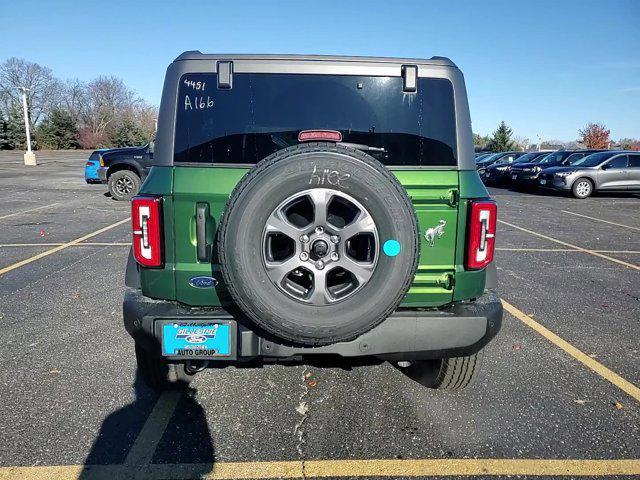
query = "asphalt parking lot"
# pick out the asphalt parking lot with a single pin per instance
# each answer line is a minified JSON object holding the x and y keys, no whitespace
{"x":559,"y":394}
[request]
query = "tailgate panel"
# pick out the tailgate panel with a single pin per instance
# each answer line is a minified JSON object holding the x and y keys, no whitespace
{"x":434,"y":194}
{"x":192,"y":185}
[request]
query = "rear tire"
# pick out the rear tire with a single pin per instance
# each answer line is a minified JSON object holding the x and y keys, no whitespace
{"x":447,"y":373}
{"x":582,"y":188}
{"x":124,"y":185}
{"x":160,"y":375}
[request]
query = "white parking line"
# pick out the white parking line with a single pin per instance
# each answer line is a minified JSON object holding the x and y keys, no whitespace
{"x":600,"y":220}
{"x":575,"y":247}
{"x":29,"y":210}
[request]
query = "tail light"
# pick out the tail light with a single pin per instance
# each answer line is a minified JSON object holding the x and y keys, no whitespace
{"x":147,"y":230}
{"x":482,"y":232}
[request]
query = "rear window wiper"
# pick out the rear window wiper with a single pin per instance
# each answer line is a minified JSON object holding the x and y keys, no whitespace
{"x":360,"y":146}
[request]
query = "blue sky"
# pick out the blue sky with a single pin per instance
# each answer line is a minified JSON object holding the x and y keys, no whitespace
{"x":545,"y":67}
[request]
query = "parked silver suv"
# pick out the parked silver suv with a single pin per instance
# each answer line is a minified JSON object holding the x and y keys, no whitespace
{"x":614,"y":170}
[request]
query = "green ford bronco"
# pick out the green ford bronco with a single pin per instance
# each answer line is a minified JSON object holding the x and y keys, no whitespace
{"x":312,"y":210}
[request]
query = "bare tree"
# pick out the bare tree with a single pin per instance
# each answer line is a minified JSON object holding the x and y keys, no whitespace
{"x":44,"y":88}
{"x":629,"y":144}
{"x":101,"y":104}
{"x":522,"y":142}
{"x":97,"y":109}
{"x":553,"y":144}
{"x":73,"y":92}
{"x":146,"y":116}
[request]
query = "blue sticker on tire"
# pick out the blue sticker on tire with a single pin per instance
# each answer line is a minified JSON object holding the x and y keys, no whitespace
{"x":391,"y":248}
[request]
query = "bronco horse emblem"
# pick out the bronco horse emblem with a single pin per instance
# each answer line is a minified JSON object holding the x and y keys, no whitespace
{"x":434,"y":232}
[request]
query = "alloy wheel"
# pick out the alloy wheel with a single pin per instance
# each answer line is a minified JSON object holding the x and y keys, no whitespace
{"x":320,"y":246}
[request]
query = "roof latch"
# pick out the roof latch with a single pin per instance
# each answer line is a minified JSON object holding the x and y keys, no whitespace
{"x":409,"y":78}
{"x":225,"y":74}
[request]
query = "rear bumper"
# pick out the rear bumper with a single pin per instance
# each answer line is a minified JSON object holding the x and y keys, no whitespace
{"x":462,"y":328}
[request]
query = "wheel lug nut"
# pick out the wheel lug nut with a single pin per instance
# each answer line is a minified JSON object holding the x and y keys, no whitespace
{"x":334,"y":239}
{"x":304,"y":238}
{"x":304,"y":256}
{"x":319,"y":230}
{"x":319,"y":264}
{"x":335,"y":256}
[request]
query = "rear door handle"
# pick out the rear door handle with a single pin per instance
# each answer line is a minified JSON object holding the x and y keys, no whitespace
{"x":202,"y":214}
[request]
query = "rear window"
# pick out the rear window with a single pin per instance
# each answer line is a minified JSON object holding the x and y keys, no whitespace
{"x":593,"y":160}
{"x":95,"y":155}
{"x":527,"y":157}
{"x":555,"y":157}
{"x":574,"y":157}
{"x":264,"y":113}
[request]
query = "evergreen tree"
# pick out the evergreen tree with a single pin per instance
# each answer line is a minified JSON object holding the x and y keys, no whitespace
{"x":4,"y":139}
{"x":501,"y":140}
{"x":16,"y":136}
{"x":129,"y":134}
{"x":58,"y":131}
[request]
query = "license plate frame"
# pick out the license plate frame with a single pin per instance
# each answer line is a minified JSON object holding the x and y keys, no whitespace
{"x":222,"y":342}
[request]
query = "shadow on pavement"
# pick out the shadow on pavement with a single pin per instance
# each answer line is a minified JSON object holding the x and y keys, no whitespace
{"x":186,"y":439}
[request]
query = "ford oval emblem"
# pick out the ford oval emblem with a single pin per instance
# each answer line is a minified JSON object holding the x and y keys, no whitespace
{"x":203,"y":282}
{"x":196,"y":338}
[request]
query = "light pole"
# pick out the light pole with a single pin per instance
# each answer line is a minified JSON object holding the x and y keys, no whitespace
{"x":29,"y":156}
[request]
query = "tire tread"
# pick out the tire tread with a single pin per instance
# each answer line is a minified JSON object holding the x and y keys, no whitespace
{"x":458,"y":372}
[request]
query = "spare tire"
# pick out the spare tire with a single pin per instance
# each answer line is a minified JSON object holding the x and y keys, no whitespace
{"x":318,"y":244}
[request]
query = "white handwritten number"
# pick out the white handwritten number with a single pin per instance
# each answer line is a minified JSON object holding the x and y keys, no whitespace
{"x":331,"y":177}
{"x":195,"y":85}
{"x":198,"y":103}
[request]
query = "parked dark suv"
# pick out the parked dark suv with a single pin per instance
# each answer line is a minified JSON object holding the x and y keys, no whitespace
{"x":496,"y":157}
{"x":525,"y":175}
{"x":499,"y":172}
{"x":312,"y":209}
